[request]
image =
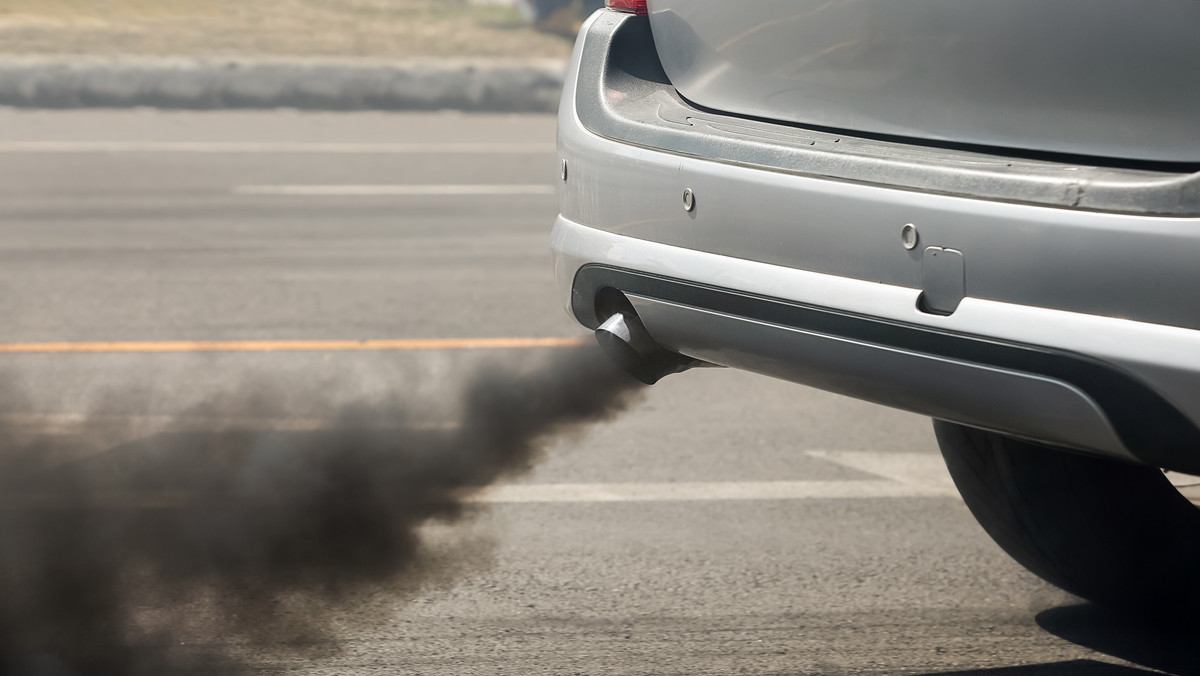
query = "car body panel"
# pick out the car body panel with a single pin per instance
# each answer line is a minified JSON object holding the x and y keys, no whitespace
{"x":1165,"y":359}
{"x":1014,"y":253}
{"x":1097,"y":291}
{"x":1033,"y":405}
{"x":1104,"y":78}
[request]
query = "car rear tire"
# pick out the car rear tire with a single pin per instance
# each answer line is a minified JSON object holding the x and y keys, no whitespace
{"x":1115,"y":533}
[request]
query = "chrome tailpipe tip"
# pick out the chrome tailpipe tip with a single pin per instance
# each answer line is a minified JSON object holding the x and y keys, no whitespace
{"x":626,"y":341}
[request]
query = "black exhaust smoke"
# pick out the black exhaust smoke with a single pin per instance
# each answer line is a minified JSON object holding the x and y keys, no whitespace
{"x":149,"y":557}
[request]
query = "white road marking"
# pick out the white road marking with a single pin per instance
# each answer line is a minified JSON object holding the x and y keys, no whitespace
{"x":390,"y":190}
{"x":275,"y":147}
{"x":1188,"y":485}
{"x":588,"y":493}
{"x":926,"y":471}
{"x":1181,"y":480}
{"x":700,"y":491}
{"x":901,"y":475}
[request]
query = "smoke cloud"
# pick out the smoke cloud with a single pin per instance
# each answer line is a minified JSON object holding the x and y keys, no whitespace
{"x":183,"y":550}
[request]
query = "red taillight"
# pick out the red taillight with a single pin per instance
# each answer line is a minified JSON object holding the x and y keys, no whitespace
{"x":631,"y":6}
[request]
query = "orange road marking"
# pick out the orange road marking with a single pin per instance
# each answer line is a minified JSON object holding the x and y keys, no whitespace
{"x":296,"y":345}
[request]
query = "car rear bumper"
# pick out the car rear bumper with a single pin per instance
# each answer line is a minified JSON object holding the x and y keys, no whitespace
{"x":1074,"y":323}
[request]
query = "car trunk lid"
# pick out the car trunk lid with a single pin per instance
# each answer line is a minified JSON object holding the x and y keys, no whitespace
{"x":1102,"y":78}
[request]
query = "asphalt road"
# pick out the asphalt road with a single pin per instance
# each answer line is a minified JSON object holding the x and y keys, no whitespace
{"x":735,"y":524}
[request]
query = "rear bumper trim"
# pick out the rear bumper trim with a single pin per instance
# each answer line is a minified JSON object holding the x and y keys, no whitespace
{"x":1148,"y":426}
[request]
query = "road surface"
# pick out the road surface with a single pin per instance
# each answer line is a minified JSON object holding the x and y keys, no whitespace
{"x":729,"y":524}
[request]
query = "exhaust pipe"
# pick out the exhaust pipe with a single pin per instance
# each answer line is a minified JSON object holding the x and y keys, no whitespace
{"x":624,"y":338}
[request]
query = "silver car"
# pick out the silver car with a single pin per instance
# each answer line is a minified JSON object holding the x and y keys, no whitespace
{"x":987,"y":212}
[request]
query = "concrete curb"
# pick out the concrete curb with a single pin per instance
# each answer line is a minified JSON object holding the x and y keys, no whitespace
{"x":313,"y":84}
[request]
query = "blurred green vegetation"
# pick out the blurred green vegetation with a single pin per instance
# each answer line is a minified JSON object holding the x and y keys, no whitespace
{"x":366,"y":28}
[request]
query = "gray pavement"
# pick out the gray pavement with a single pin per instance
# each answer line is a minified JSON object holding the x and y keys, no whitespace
{"x":133,"y":241}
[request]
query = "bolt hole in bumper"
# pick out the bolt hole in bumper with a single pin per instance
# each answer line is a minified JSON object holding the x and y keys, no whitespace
{"x":1022,"y":309}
